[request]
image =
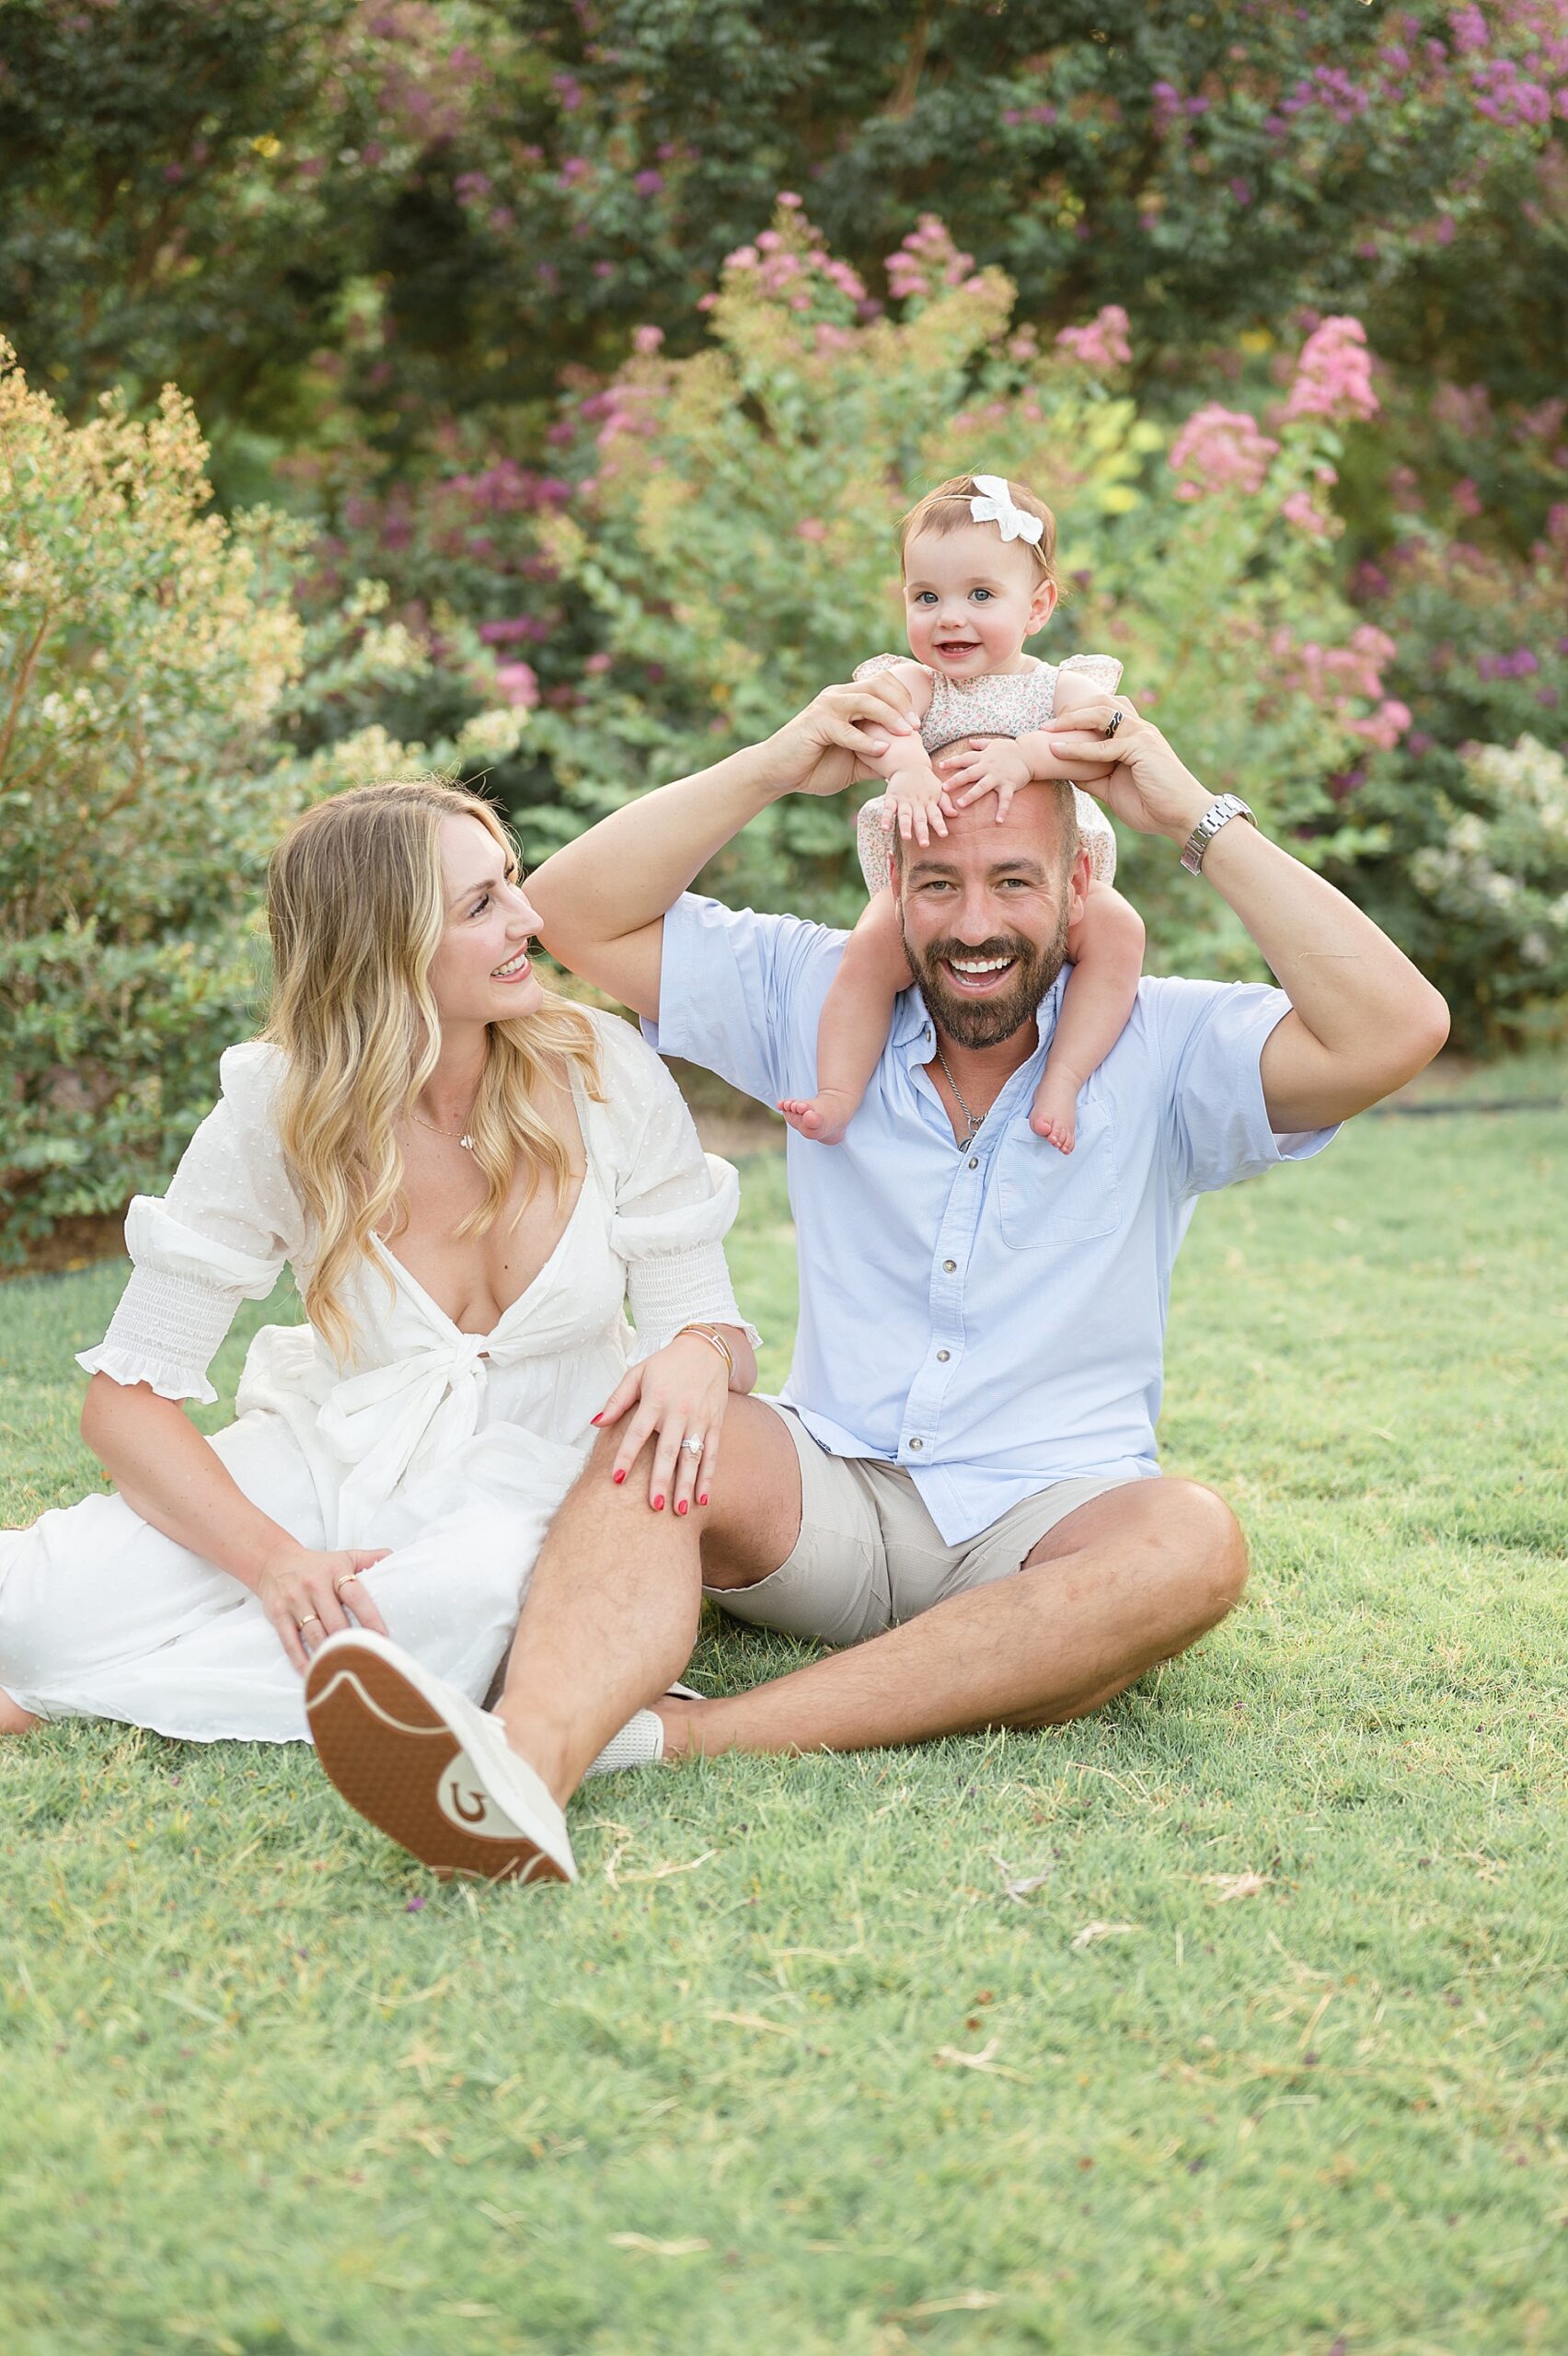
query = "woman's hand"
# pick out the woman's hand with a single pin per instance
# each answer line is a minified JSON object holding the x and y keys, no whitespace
{"x":308,"y":1596}
{"x":680,"y":1392}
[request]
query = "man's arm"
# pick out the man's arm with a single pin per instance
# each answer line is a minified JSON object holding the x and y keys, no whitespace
{"x":1363,"y":1021}
{"x":601,"y":899}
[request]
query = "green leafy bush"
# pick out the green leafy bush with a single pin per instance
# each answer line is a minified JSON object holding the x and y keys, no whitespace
{"x":158,"y":699}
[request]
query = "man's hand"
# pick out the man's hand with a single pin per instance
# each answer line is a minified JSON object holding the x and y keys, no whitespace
{"x":828,"y":746}
{"x":1135,"y":773}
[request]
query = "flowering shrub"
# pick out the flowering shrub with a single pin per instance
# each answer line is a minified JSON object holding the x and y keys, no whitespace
{"x":161,"y":713}
{"x":1482,"y":663}
{"x":382,"y":214}
{"x":735,"y":534}
{"x":1497,"y":878}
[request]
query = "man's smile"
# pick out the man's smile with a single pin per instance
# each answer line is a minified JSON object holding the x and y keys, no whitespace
{"x":977,"y":976}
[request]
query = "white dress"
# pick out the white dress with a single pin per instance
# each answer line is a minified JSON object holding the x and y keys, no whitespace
{"x":453,"y":1449}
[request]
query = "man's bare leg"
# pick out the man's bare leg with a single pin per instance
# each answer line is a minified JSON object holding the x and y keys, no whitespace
{"x":1126,"y":1582}
{"x":612,"y":1609}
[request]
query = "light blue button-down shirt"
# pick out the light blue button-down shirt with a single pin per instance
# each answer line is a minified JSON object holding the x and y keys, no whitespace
{"x":992,"y":1316}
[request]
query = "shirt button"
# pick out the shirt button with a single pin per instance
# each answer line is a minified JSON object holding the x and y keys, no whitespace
{"x":948,"y":1266}
{"x":916,"y":1443}
{"x":974,"y":1162}
{"x":942,"y":1356}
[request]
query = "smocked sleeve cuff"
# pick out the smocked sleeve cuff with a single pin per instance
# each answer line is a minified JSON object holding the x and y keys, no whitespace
{"x":676,"y":1271}
{"x":682,"y":1288}
{"x":179,"y":1303}
{"x":166,"y":1331}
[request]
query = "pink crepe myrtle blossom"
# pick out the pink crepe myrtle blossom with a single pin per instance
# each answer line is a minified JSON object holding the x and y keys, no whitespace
{"x":1467,"y":409}
{"x":1220,"y":449}
{"x":1333,"y":375}
{"x":1301,"y":510}
{"x":927,"y":259}
{"x":1102,"y":344}
{"x":647,"y":340}
{"x":518,"y":685}
{"x":1383,"y":727}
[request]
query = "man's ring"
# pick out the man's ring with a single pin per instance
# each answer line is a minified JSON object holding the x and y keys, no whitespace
{"x":694,"y":1441}
{"x":1113,"y":724}
{"x":347,"y":1580}
{"x":306,"y":1620}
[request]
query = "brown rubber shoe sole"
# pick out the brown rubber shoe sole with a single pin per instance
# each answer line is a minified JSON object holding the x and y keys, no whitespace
{"x":387,"y":1751}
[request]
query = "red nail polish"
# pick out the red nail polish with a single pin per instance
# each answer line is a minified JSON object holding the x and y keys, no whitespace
{"x":681,"y":1507}
{"x":657,"y":1505}
{"x":702,"y":1500}
{"x":595,"y":1420}
{"x":619,"y":1478}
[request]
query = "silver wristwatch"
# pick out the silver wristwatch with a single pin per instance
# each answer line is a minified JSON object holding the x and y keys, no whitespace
{"x":1214,"y":818}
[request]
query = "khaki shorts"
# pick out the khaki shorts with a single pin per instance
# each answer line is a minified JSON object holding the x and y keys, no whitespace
{"x":869,"y":1553}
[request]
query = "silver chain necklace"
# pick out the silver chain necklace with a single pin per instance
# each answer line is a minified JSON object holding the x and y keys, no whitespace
{"x":974,"y":1119}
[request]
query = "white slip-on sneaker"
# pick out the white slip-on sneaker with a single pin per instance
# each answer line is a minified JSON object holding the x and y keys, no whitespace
{"x":429,"y":1767}
{"x":640,"y":1742}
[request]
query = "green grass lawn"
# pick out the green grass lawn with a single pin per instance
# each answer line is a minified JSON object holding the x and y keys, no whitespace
{"x":791,"y":2069}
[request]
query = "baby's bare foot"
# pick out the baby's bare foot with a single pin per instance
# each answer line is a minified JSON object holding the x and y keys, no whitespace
{"x":823,"y":1118}
{"x":1053,"y":1114}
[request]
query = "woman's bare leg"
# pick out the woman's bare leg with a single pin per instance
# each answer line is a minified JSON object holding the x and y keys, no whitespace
{"x":856,"y":1017}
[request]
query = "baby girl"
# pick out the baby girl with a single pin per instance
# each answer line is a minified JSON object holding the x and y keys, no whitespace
{"x":977,"y":582}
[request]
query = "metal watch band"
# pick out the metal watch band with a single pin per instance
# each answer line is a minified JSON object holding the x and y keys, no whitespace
{"x":1216,"y":818}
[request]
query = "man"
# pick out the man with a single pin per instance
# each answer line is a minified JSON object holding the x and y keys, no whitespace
{"x":961,"y":1488}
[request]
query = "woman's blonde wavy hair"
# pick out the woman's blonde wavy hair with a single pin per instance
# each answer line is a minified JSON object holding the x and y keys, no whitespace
{"x":357,"y":909}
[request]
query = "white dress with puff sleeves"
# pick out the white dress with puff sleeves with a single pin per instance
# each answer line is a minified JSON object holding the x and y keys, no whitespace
{"x":453,"y":1450}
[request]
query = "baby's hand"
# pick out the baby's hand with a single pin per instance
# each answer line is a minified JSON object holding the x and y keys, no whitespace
{"x":992,"y":764}
{"x":915,"y":801}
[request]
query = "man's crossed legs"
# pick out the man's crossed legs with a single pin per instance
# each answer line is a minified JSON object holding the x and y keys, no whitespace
{"x":1125,"y":1581}
{"x":1121,"y":1582}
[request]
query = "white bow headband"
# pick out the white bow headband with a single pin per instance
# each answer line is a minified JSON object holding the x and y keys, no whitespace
{"x":995,"y":505}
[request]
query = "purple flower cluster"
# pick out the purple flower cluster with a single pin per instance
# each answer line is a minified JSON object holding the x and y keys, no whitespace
{"x":1330,"y":89}
{"x":1521,"y":665}
{"x":1171,"y":108}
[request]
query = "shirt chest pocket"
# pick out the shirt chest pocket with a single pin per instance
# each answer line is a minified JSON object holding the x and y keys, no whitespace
{"x":1046,"y":1198}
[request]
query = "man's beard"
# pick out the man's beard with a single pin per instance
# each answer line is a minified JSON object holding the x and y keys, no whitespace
{"x":987,"y":1021}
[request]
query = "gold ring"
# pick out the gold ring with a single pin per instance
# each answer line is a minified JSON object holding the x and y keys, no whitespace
{"x":304,"y":1623}
{"x":339,"y":1585}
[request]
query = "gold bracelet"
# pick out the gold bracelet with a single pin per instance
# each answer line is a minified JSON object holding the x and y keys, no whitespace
{"x":711,"y":1334}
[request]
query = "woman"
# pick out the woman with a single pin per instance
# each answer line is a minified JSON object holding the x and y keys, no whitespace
{"x":471,"y":1179}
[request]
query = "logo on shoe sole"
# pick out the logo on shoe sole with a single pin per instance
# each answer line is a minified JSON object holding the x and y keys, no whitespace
{"x":464,"y":1801}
